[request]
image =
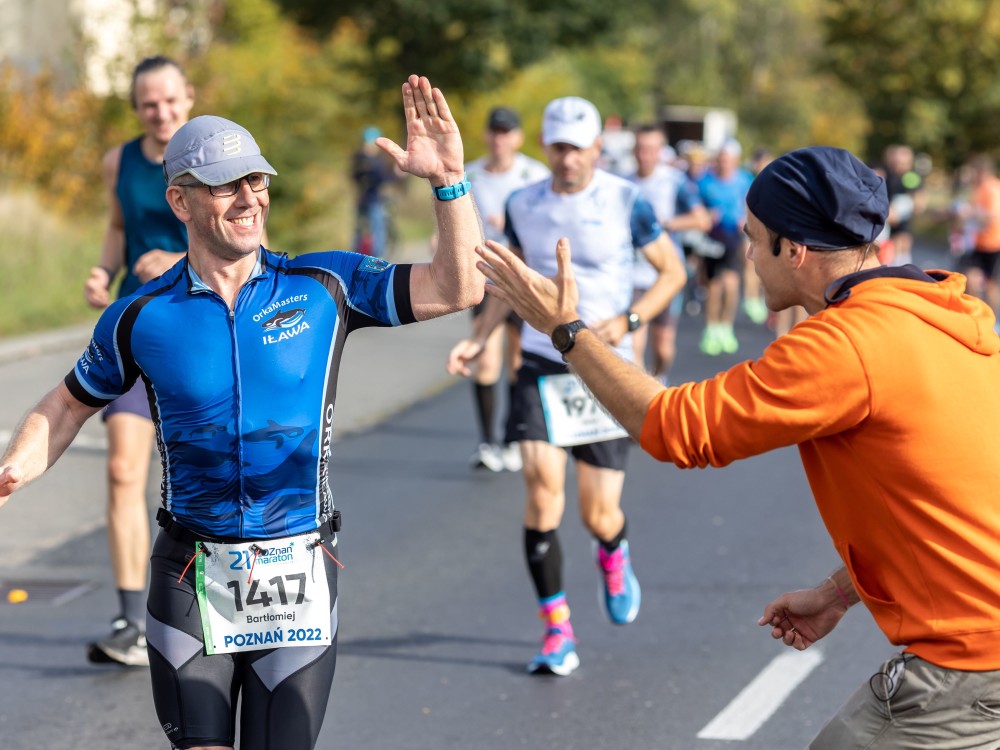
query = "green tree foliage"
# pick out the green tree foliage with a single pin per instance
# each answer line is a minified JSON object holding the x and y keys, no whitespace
{"x":757,"y":57}
{"x":463,"y":45}
{"x":52,"y":138}
{"x":926,"y":70}
{"x":290,"y":92}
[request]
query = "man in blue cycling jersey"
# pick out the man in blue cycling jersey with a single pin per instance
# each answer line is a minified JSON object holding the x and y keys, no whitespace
{"x":238,"y":349}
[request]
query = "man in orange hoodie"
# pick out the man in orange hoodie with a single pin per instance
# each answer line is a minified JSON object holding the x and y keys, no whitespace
{"x":892,"y":362}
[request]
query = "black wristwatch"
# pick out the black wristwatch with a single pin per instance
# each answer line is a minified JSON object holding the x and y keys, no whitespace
{"x":633,"y":321}
{"x":564,"y":335}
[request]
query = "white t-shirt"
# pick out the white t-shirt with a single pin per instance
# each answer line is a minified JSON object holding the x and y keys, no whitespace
{"x":660,"y":189}
{"x":491,"y":189}
{"x":606,"y":223}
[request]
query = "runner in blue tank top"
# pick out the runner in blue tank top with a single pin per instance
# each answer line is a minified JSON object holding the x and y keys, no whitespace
{"x":239,"y":349}
{"x":143,"y":239}
{"x":147,"y":220}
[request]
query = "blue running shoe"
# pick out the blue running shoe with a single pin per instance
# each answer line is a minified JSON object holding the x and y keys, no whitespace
{"x":558,"y":655}
{"x":622,"y":594}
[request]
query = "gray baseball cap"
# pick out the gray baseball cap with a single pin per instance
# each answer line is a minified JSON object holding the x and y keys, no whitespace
{"x":214,"y":150}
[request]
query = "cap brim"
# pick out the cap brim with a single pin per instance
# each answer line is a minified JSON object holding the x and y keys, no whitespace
{"x":568,"y":136}
{"x":226,"y":171}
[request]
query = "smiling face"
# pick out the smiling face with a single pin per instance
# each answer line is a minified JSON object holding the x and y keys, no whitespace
{"x":229,"y":228}
{"x":163,"y":101}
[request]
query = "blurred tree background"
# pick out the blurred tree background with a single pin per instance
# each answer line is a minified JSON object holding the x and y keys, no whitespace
{"x":305,"y":76}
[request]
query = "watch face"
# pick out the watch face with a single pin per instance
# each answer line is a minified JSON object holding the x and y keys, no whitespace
{"x":562,"y":339}
{"x":564,"y":336}
{"x":633,"y":322}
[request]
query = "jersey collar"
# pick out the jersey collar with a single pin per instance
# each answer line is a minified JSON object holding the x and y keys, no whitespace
{"x":197,"y":285}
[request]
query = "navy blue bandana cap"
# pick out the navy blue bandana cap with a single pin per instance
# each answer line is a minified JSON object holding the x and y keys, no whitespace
{"x":821,"y":197}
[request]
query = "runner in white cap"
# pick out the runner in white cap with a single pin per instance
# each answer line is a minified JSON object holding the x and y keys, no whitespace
{"x":609,"y":222}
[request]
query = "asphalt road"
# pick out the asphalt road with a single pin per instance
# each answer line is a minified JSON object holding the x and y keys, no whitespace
{"x":437,"y":614}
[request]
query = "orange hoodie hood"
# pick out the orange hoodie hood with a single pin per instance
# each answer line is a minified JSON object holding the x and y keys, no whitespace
{"x":943,"y":305}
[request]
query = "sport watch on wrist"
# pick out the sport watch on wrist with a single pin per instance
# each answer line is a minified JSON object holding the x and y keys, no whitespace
{"x":633,"y":321}
{"x":564,"y":335}
{"x":451,"y":192}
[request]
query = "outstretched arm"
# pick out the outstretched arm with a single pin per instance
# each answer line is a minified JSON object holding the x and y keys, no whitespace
{"x":800,"y":618}
{"x":670,"y":280}
{"x":467,"y":351}
{"x":44,"y":433}
{"x":434,"y":151}
{"x":623,"y":389}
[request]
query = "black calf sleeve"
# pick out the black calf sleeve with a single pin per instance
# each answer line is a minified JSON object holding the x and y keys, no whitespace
{"x":544,"y":558}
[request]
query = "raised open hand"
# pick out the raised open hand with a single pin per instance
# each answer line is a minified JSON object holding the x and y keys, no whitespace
{"x":541,"y":301}
{"x":433,"y":142}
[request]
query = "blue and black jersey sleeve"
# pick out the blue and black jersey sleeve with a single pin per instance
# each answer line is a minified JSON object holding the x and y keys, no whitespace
{"x":100,"y":376}
{"x":380,"y":290}
{"x":508,"y":228}
{"x":370,"y":291}
{"x":644,"y":224}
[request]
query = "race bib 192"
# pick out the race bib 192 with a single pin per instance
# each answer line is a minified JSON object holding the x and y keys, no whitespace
{"x":572,"y":415}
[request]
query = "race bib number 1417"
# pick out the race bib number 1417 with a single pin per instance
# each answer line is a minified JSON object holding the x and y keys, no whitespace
{"x":264,"y":594}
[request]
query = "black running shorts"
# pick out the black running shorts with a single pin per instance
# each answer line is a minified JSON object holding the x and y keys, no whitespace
{"x":526,"y":420}
{"x":985,"y":261}
{"x":284,"y":690}
{"x":734,"y":256}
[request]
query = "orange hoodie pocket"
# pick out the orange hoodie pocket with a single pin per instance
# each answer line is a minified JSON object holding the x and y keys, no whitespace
{"x":888,"y":614}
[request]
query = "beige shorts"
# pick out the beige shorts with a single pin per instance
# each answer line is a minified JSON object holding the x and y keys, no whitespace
{"x":911,"y":704}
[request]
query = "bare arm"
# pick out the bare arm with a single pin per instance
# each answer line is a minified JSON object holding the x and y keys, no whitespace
{"x":623,"y":389}
{"x":154,"y":263}
{"x":466,"y":351}
{"x":434,"y":150}
{"x":41,"y":437}
{"x":800,"y":618}
{"x":662,"y":255}
{"x":96,"y":288}
{"x":697,"y":219}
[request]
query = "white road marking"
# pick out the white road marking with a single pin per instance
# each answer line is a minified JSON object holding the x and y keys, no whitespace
{"x":73,"y":593}
{"x":763,"y":696}
{"x":82,"y":441}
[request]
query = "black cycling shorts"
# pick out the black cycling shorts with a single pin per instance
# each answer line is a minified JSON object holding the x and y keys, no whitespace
{"x":284,"y":691}
{"x":526,"y":420}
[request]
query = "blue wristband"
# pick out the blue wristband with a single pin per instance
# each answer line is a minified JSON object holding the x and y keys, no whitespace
{"x":451,"y":192}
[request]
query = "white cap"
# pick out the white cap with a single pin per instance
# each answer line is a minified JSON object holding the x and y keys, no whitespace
{"x":731,"y":146}
{"x":571,"y":120}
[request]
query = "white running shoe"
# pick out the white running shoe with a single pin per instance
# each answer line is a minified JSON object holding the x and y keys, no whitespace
{"x":486,"y":456}
{"x":510,"y":454}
